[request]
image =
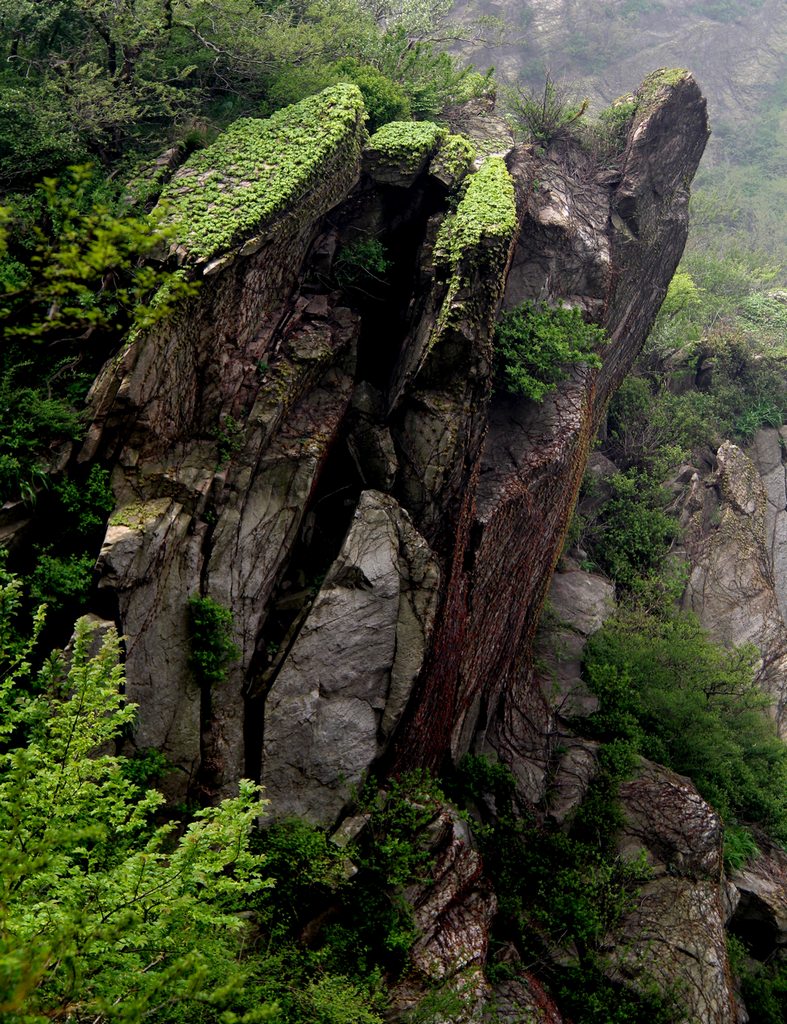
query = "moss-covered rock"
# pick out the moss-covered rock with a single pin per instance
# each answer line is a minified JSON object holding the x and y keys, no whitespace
{"x":485,"y":218}
{"x":453,"y":160}
{"x":400,"y":151}
{"x":657,"y":81}
{"x":259,"y":169}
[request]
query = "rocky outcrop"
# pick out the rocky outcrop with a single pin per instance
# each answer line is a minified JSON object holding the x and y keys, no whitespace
{"x":760,"y":913}
{"x":578,"y":603}
{"x":317,"y":445}
{"x":323,"y":454}
{"x":534,"y":456}
{"x":674,"y":936}
{"x":453,"y":912}
{"x":731,"y":541}
{"x":349,"y":674}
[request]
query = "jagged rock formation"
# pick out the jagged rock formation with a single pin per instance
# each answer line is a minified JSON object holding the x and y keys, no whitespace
{"x":326,"y":456}
{"x":734,"y":521}
{"x":253,"y":438}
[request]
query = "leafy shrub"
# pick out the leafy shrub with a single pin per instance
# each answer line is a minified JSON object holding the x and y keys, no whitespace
{"x":31,"y":422}
{"x":605,"y":136}
{"x":739,"y":847}
{"x":212,"y":646}
{"x":385,"y":100}
{"x":85,"y":506}
{"x":652,"y":429}
{"x":229,"y":439}
{"x":59,"y":581}
{"x":361,"y":262}
{"x":564,"y":890}
{"x":105,"y":913}
{"x":307,"y":868}
{"x":544,"y":115}
{"x":634,"y":533}
{"x":391,"y":855}
{"x":534,"y":344}
{"x":691,"y":704}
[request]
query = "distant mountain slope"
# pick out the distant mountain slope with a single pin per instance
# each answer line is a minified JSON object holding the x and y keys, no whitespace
{"x":736,"y":48}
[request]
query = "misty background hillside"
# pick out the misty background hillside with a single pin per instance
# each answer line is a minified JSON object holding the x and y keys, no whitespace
{"x":736,"y":48}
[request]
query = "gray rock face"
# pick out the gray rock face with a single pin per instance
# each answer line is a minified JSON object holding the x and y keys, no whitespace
{"x":578,"y":603}
{"x":761,"y":911}
{"x":349,"y":674}
{"x":533,"y":455}
{"x":676,"y":938}
{"x":768,"y":455}
{"x":150,"y":558}
{"x":522,"y":1000}
{"x":731,"y":544}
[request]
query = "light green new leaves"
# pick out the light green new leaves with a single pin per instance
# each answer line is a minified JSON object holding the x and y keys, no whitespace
{"x":101,"y":912}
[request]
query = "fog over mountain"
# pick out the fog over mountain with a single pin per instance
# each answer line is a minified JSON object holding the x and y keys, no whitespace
{"x":736,"y":48}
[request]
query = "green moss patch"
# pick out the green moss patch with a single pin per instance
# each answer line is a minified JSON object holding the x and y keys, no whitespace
{"x":657,"y":81}
{"x":486,"y":216}
{"x":257,"y":170}
{"x":404,"y":145}
{"x":453,"y":159}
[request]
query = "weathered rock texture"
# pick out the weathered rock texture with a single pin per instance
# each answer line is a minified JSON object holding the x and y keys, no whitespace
{"x":734,"y":521}
{"x":674,"y":936}
{"x":324,"y":454}
{"x":610,"y":245}
{"x":350,"y":671}
{"x":326,"y":457}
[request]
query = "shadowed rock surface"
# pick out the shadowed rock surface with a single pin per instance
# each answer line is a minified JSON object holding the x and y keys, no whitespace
{"x":328,"y":457}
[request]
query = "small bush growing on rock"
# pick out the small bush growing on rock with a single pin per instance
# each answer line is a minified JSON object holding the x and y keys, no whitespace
{"x":212,"y":647}
{"x":690,"y":704}
{"x":545,"y":114}
{"x":535,"y":344}
{"x":361,"y":262}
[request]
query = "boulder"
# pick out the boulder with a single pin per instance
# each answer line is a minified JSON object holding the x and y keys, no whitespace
{"x":348,"y":676}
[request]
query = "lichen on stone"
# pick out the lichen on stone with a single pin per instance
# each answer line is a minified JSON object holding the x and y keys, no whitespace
{"x":137,"y":514}
{"x":258,"y":169}
{"x":663,"y":78}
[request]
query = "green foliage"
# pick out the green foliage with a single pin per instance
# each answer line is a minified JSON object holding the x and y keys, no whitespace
{"x":657,"y":81}
{"x":544,"y":115}
{"x":229,"y":439}
{"x":455,"y":156}
{"x":384,"y":99}
{"x":567,"y":890}
{"x":107,"y":916}
{"x":486,"y":215}
{"x":688,"y":703}
{"x":85,"y":506}
{"x":257,"y":169}
{"x":31,"y":423}
{"x":78,"y":269}
{"x":406,"y":143}
{"x":739,"y":847}
{"x":212,"y":645}
{"x":58,"y":581}
{"x":604,"y":137}
{"x":765,"y":993}
{"x":145,"y":767}
{"x":634,"y":536}
{"x":391,"y":856}
{"x":307,"y":868}
{"x":361,"y":262}
{"x":534,"y":345}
